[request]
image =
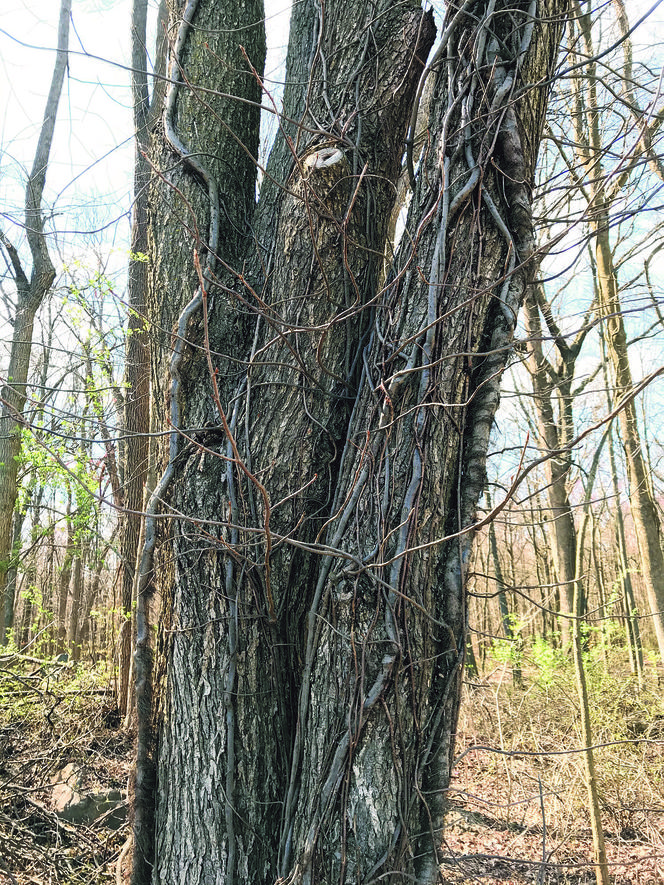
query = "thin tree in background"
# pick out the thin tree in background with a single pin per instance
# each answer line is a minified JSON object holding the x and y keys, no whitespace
{"x":601,"y":194}
{"x":553,"y":396}
{"x":594,"y":808}
{"x":30,"y":291}
{"x":137,"y":352}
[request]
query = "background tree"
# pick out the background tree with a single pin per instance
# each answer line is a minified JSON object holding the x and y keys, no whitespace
{"x":30,"y":292}
{"x":601,"y":195}
{"x":606,"y":94}
{"x":137,"y":356}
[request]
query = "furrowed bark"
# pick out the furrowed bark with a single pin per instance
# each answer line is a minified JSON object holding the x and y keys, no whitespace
{"x":386,"y":628}
{"x":201,"y":201}
{"x":334,"y":433}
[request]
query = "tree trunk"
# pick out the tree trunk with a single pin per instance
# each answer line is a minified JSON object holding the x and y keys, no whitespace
{"x":506,"y":618}
{"x":23,"y":638}
{"x":74,"y":614}
{"x":30,"y":293}
{"x":555,"y":432}
{"x":594,"y":810}
{"x":92,"y":594}
{"x":328,"y":436}
{"x":642,"y":505}
{"x":12,"y":571}
{"x":632,"y":628}
{"x":64,"y":581}
{"x":137,"y":360}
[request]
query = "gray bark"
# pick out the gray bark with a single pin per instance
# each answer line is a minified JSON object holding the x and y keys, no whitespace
{"x":332,"y":433}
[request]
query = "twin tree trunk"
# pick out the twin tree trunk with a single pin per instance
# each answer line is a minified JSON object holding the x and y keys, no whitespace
{"x":328,"y":427}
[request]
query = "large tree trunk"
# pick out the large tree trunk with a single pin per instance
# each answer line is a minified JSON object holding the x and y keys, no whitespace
{"x":328,"y":436}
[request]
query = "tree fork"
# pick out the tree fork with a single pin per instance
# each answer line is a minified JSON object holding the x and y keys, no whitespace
{"x":316,"y":746}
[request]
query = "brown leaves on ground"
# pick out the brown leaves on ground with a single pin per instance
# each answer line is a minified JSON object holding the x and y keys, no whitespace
{"x":53,"y":719}
{"x":518,"y":796}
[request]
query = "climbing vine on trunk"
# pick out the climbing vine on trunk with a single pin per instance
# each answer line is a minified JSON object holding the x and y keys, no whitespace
{"x":327,"y":427}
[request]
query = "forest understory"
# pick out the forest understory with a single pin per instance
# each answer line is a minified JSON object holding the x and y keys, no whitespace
{"x":518,"y":800}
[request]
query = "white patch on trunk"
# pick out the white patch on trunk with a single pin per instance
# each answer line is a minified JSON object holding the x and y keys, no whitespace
{"x":324,"y":158}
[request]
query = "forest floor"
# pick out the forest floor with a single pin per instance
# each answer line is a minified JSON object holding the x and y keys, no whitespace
{"x":518,"y":794}
{"x":518,"y":799}
{"x":54,"y":716}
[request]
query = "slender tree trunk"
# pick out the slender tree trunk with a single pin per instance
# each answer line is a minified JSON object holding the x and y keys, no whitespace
{"x":64,"y":581}
{"x":30,"y":293}
{"x":12,"y":571}
{"x":632,"y":629}
{"x":541,"y":555}
{"x":137,"y":360}
{"x":594,"y":809}
{"x":505,"y":616}
{"x":76,"y":601}
{"x":643,"y":508}
{"x":50,"y":583}
{"x":94,"y":584}
{"x":556,"y":432}
{"x":26,"y":623}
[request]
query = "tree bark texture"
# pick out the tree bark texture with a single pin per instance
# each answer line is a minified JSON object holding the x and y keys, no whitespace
{"x":329,"y":434}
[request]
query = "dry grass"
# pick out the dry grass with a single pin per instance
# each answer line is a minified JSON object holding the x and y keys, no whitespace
{"x":519,"y":791}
